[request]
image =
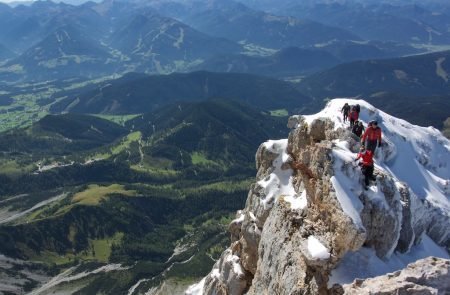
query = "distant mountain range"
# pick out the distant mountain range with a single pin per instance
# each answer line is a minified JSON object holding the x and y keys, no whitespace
{"x":166,"y":36}
{"x":405,"y":23}
{"x":132,"y":125}
{"x":160,"y":44}
{"x":347,"y":51}
{"x":136,"y":93}
{"x":56,"y":41}
{"x":65,"y":53}
{"x":5,"y":53}
{"x":431,"y":110}
{"x":30,"y":2}
{"x":237,"y":22}
{"x":418,"y":75}
{"x":294,"y":61}
{"x":24,"y":26}
{"x":415,"y":88}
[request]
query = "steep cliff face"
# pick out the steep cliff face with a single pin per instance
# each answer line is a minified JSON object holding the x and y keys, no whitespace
{"x":308,"y":223}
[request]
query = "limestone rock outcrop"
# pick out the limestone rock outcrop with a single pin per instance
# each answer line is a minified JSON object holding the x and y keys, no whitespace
{"x":307,"y":210}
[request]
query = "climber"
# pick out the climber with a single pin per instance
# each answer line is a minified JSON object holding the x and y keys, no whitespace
{"x":371,"y":136}
{"x":345,"y":110}
{"x":353,"y":116}
{"x":358,"y":108}
{"x":366,"y":165}
{"x":358,"y":128}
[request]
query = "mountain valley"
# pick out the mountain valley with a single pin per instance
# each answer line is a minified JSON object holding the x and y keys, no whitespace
{"x":131,"y":132}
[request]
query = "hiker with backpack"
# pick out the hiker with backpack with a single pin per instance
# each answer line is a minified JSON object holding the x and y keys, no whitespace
{"x":366,"y":165}
{"x":358,"y":128}
{"x":372,"y":137}
{"x":358,"y":108}
{"x":353,"y":116}
{"x":345,"y":111}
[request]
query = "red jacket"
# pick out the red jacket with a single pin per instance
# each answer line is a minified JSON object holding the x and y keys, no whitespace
{"x":367,"y":157}
{"x":372,"y":134}
{"x":353,"y":115}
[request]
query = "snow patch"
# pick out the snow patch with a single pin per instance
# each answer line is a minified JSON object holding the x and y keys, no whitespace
{"x":350,"y":203}
{"x":240,"y":219}
{"x":196,"y":289}
{"x":279,"y":182}
{"x":215,"y":274}
{"x":297,"y":203}
{"x":237,"y":268}
{"x":317,"y":249}
{"x":364,"y":263}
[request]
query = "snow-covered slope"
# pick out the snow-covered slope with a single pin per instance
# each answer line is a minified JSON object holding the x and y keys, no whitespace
{"x":419,"y":156}
{"x":308,"y":223}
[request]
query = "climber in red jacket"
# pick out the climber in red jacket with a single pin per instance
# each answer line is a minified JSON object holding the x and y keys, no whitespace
{"x":371,"y":136}
{"x":366,"y":165}
{"x":353,"y":116}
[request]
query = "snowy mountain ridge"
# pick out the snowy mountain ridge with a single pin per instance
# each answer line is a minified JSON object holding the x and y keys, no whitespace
{"x":419,"y":156}
{"x":309,"y":226}
{"x":416,"y":156}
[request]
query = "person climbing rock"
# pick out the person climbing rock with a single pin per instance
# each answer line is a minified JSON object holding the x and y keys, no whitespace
{"x":366,"y":165}
{"x":372,"y":136}
{"x":358,"y":128}
{"x":345,"y":111}
{"x":353,"y":116}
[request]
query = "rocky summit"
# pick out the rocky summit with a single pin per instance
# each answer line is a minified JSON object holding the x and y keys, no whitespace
{"x":310,"y":227}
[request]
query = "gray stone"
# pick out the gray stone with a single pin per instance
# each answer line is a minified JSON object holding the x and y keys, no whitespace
{"x":383,"y":218}
{"x":426,"y":276}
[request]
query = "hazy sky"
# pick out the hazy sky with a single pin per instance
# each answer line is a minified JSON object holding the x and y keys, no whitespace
{"x":8,"y":1}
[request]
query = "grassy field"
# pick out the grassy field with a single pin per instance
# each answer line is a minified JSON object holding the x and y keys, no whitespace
{"x":92,"y":196}
{"x":200,"y":159}
{"x":12,"y":168}
{"x":98,"y":250}
{"x":31,"y":102}
{"x":26,"y":107}
{"x":155,"y":171}
{"x":125,"y":144}
{"x":102,"y":248}
{"x":224,"y":186}
{"x":279,"y":113}
{"x":118,"y":119}
{"x":95,"y":194}
{"x":117,"y":149}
